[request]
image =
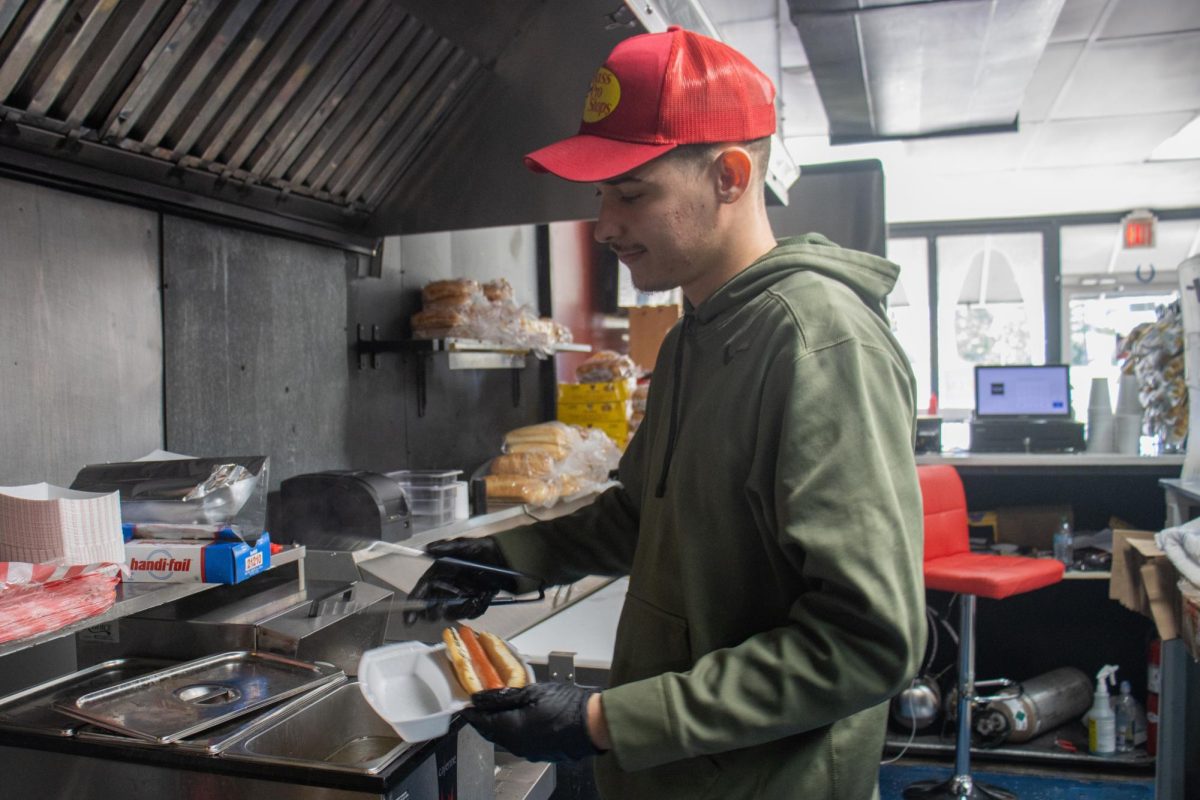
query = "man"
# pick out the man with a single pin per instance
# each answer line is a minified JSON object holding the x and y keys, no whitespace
{"x":768,"y":515}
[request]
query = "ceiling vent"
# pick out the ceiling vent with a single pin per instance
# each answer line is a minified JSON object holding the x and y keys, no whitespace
{"x":895,"y":69}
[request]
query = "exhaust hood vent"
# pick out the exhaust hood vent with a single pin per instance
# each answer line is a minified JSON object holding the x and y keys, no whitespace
{"x":312,"y":109}
{"x":889,"y":69}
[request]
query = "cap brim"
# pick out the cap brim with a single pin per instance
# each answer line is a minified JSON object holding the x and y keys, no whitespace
{"x":588,"y":159}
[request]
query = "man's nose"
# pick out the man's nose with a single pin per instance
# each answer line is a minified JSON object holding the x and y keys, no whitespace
{"x":606,"y":227}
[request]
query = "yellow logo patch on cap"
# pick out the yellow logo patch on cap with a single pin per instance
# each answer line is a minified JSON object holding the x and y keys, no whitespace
{"x":603,"y":97}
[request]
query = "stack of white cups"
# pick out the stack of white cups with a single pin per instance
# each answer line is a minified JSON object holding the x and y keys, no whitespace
{"x":1127,"y":425}
{"x":1100,"y":418}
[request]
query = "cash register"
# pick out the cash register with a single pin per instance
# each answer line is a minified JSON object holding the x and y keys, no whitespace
{"x":1024,"y":409}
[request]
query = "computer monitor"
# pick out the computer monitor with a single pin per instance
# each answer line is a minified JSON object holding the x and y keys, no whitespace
{"x":1023,"y":391}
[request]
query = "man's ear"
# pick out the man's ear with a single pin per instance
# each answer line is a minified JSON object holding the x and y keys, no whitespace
{"x":733,"y":169}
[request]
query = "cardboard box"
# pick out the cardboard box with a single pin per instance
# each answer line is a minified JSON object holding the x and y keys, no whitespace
{"x":160,"y":561}
{"x":1030,"y":526}
{"x":611,"y":392}
{"x":585,"y":413}
{"x":648,"y":325}
{"x":1144,"y":581}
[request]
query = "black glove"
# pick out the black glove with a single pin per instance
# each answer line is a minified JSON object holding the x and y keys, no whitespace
{"x":541,"y":722}
{"x":456,"y":591}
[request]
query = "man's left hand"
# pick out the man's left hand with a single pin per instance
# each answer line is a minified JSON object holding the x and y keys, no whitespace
{"x":541,"y":722}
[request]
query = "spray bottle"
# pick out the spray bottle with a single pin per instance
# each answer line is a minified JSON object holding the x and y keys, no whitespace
{"x":1101,"y":721}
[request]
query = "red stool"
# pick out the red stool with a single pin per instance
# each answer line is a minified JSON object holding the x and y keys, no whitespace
{"x":950,"y":566}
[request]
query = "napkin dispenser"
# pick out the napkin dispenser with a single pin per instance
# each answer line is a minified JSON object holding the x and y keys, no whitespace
{"x":343,"y":509}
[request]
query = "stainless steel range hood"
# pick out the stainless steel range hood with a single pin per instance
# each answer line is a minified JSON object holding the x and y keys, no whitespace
{"x":336,"y":120}
{"x":891,"y":69}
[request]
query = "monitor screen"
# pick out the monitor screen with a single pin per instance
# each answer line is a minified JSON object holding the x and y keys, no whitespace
{"x":1023,"y":391}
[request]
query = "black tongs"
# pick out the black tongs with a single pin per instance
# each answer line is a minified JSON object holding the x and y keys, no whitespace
{"x":500,"y":600}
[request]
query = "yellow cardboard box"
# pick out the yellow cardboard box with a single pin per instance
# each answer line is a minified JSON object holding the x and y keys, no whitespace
{"x":584,"y":413}
{"x":1144,"y":580}
{"x":612,"y":392}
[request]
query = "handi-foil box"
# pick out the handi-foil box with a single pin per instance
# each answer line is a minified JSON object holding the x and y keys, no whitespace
{"x":221,"y":561}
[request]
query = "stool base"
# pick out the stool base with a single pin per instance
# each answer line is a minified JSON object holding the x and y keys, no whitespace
{"x":959,"y":787}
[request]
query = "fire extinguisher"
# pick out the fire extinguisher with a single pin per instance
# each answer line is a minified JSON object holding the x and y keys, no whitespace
{"x":1153,"y":686}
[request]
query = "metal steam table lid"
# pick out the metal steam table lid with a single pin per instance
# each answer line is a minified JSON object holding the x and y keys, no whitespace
{"x":177,"y":702}
{"x":34,"y":709}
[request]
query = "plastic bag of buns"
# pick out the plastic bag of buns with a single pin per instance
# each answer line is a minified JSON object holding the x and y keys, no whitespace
{"x":549,"y":461}
{"x":604,"y":366}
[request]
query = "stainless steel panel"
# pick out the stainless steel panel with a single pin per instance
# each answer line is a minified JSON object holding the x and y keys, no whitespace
{"x":80,"y":333}
{"x":177,"y":702}
{"x":339,"y":731}
{"x":34,"y":709}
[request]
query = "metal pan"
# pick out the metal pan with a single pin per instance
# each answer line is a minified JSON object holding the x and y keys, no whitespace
{"x":181,"y":701}
{"x":214,"y":741}
{"x":33,"y":709}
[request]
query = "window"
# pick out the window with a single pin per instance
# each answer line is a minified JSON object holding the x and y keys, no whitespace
{"x":908,"y":310}
{"x":1108,"y":290}
{"x":990,"y":309}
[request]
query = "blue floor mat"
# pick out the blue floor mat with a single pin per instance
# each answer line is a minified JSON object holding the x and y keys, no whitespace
{"x":894,"y":777}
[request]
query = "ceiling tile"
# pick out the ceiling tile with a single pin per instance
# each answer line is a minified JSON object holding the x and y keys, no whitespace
{"x":1048,"y":79}
{"x":722,"y":11}
{"x":1135,"y":76}
{"x":1077,"y":19}
{"x":1141,"y":17}
{"x":1112,"y":140}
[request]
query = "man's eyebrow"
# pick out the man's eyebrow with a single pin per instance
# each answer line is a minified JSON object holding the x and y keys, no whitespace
{"x":621,"y":179}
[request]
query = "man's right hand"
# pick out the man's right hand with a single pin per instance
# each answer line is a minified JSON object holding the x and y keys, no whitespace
{"x":456,"y":591}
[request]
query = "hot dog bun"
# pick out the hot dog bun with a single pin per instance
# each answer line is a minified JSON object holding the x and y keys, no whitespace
{"x":512,"y":671}
{"x":482,"y":661}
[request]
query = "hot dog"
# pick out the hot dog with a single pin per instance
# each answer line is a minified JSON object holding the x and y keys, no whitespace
{"x":482,"y":661}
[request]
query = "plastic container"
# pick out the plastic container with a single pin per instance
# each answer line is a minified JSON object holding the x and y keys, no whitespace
{"x":432,"y":494}
{"x":412,"y":686}
{"x":425,"y":477}
{"x":1130,"y":720}
{"x":1064,"y":543}
{"x":1101,"y":721}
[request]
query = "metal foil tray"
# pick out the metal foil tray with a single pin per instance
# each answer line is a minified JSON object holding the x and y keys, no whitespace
{"x":33,"y":709}
{"x":180,"y":701}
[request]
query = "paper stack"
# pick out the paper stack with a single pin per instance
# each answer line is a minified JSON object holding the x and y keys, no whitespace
{"x":40,"y":523}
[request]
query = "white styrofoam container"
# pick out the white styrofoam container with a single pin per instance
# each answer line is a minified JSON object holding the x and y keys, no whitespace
{"x":412,"y":686}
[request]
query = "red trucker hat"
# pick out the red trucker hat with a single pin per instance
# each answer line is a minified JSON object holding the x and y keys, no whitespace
{"x":655,"y":92}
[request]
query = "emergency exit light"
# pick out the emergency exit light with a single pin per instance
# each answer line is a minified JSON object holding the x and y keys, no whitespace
{"x":1137,"y":230}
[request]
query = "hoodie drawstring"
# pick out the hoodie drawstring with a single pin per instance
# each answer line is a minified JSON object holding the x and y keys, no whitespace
{"x":676,"y":391}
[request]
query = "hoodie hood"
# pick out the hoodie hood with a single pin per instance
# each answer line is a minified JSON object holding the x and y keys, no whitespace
{"x":870,"y":277}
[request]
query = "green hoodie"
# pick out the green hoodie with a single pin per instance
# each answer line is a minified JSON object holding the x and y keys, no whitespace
{"x":770,"y":521}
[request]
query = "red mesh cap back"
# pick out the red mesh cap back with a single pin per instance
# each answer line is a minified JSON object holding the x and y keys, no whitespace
{"x":712,"y":93}
{"x":655,"y":92}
